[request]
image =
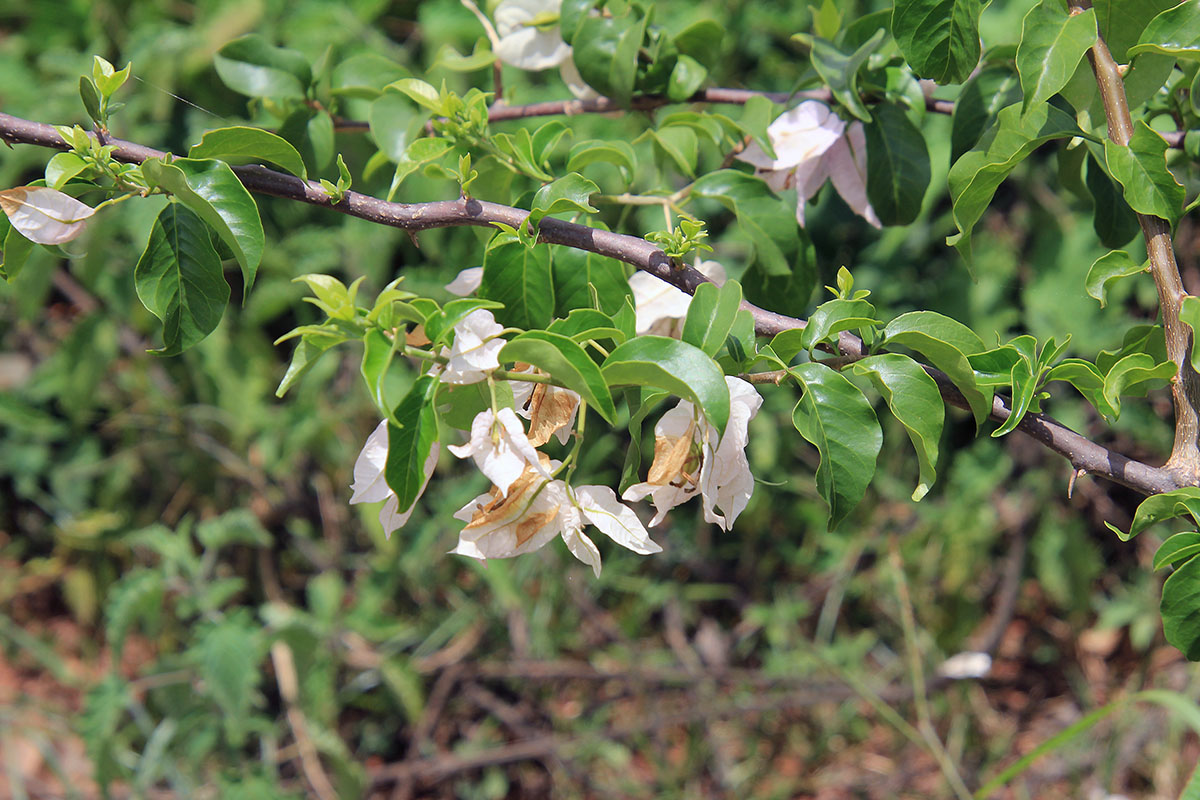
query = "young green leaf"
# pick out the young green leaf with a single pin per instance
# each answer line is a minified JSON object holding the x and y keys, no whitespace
{"x":826,"y":321}
{"x":1131,"y":372}
{"x":615,"y":152}
{"x":840,"y":70}
{"x":1053,"y":42}
{"x":1174,"y":32}
{"x":675,"y":366}
{"x":378,"y":352}
{"x":1181,"y":546}
{"x":179,"y":279}
{"x":1162,"y":507}
{"x":562,"y":358}
{"x":310,"y":348}
{"x":835,"y":417}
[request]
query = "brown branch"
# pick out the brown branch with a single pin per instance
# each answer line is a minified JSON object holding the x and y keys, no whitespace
{"x":1081,"y":452}
{"x":1184,"y":461}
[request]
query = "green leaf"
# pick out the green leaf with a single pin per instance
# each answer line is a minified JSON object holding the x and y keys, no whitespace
{"x":62,"y":168}
{"x":520,"y":277}
{"x":946,"y":343}
{"x":103,"y":709}
{"x":897,"y":165}
{"x":1113,"y":220}
{"x":569,"y":193}
{"x":213,"y":192}
{"x":686,"y":79}
{"x":767,"y":221}
{"x":412,"y":432}
{"x":1189,"y":314}
{"x":240,"y":145}
{"x":1174,"y":32}
{"x":310,"y":348}
{"x":835,"y":417}
{"x":578,"y":273}
{"x":676,"y":366}
{"x":378,"y":352}
{"x":787,"y":294}
{"x":229,"y":654}
{"x":826,"y":321}
{"x":420,"y":93}
{"x":1087,"y":379}
{"x":914,"y":399}
{"x":975,"y":176}
{"x":1108,"y":269}
{"x":563,"y":359}
{"x":617,"y":153}
{"x":1052,"y":44}
{"x":584,"y":324}
{"x":701,"y":40}
{"x":839,"y":71}
{"x":1123,"y":21}
{"x":1131,"y":372}
{"x":1024,"y":385}
{"x":939,"y":38}
{"x":137,"y":596}
{"x":91,"y":99}
{"x":238,"y":526}
{"x":606,"y":53}
{"x":680,"y":145}
{"x":482,"y":56}
{"x":311,"y":133}
{"x":1177,"y":548}
{"x":757,"y":116}
{"x":1162,"y":507}
{"x":16,"y":252}
{"x":1180,"y":609}
{"x":710,"y":315}
{"x":979,"y":103}
{"x":179,"y":279}
{"x":252,"y":67}
{"x":1141,"y":168}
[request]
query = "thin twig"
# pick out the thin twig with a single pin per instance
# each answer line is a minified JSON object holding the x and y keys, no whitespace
{"x":310,"y":760}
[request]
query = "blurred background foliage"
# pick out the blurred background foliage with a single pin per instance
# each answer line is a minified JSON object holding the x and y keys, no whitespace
{"x":188,"y":604}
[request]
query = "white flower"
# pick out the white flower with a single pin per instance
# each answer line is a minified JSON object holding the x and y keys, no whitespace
{"x":689,"y":459}
{"x":812,"y":145}
{"x":44,"y":216}
{"x":660,"y":306}
{"x":500,"y":448}
{"x":537,"y":509}
{"x":466,"y":282}
{"x":371,"y":487}
{"x":527,"y":40}
{"x":551,"y":410}
{"x":476,"y":348}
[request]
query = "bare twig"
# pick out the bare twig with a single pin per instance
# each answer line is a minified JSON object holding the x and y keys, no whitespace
{"x":1081,"y":452}
{"x":310,"y":760}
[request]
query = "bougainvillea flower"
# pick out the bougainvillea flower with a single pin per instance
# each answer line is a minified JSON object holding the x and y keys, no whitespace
{"x":529,"y":34}
{"x":371,"y":487}
{"x":476,"y":348}
{"x":551,"y":410}
{"x":500,"y":448}
{"x":813,"y":145}
{"x":690,"y":459}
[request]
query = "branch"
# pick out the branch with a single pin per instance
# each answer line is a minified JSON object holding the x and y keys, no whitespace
{"x":1185,"y":388}
{"x":1083,"y":454}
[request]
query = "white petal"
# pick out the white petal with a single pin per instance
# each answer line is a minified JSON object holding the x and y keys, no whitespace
{"x":583,"y":548}
{"x":390,"y":519}
{"x":503,"y":459}
{"x":369,"y":484}
{"x":44,"y":216}
{"x":655,"y":299}
{"x":664,"y":498}
{"x":532,"y":49}
{"x":574,"y":81}
{"x":616,"y":520}
{"x":476,"y":348}
{"x":847,"y":166}
{"x":802,"y":133}
{"x":466,"y":282}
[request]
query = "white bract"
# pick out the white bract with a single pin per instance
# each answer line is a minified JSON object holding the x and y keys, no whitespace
{"x":551,"y":410}
{"x":370,"y":485}
{"x":689,"y":459}
{"x":44,"y":216}
{"x":813,"y":145}
{"x":537,"y":509}
{"x":529,"y":34}
{"x":660,"y":306}
{"x":476,"y":348}
{"x":466,"y":282}
{"x":500,"y":448}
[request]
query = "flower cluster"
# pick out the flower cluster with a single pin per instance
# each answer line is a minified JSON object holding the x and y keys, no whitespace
{"x":528,"y":504}
{"x":813,"y":145}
